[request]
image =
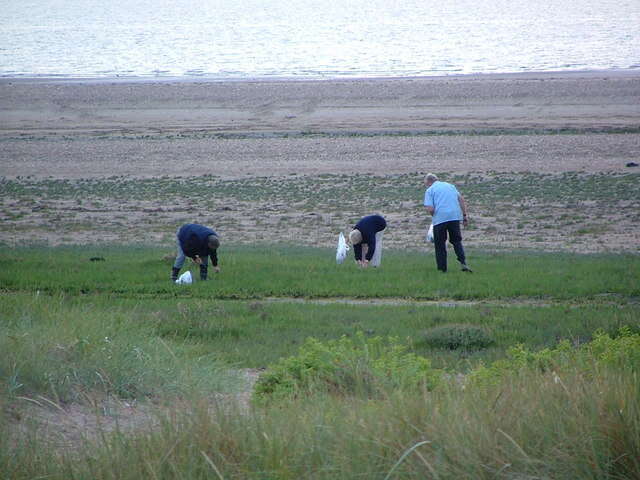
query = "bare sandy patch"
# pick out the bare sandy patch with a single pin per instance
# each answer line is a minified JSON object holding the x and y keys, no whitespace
{"x":68,"y":427}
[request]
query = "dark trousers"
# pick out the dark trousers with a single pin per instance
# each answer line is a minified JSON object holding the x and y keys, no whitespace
{"x":440,"y":232}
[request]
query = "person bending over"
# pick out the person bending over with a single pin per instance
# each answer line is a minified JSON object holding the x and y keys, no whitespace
{"x":366,"y":239}
{"x":198,"y":243}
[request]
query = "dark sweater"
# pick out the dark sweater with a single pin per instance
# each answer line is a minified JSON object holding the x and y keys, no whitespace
{"x":193,"y":241}
{"x":368,"y":227}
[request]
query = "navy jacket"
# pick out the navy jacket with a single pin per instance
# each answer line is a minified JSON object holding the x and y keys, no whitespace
{"x":193,"y":241}
{"x":368,"y":226}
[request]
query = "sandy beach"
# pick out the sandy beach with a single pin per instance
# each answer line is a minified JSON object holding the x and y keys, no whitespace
{"x":73,"y":129}
{"x":279,"y":127}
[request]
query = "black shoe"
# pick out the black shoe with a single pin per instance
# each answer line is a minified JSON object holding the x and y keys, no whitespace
{"x":466,"y":269}
{"x":174,"y":274}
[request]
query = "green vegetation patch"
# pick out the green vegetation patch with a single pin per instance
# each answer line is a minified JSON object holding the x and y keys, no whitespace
{"x":63,"y":345}
{"x":620,"y":351}
{"x":264,"y":271}
{"x":328,"y":192}
{"x":65,"y":348}
{"x":547,"y":390}
{"x":579,"y":418}
{"x":456,"y":336}
{"x":366,"y":366}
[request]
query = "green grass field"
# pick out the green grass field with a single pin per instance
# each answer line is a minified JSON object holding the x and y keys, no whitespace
{"x":260,"y":271}
{"x":73,"y":330}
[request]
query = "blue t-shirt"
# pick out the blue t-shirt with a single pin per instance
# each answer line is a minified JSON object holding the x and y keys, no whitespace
{"x":443,"y":197}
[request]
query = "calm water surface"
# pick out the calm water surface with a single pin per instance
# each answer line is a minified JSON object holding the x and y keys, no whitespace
{"x":308,"y":38}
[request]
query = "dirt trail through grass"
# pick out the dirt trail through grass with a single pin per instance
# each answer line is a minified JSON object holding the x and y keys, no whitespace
{"x":402,"y":301}
{"x":503,"y":302}
{"x":67,"y":427}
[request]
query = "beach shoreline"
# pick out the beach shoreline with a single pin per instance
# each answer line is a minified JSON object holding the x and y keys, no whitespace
{"x":99,"y":79}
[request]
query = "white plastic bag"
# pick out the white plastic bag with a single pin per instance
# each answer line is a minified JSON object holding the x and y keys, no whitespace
{"x":343,"y":248}
{"x":430,"y":234}
{"x":185,"y":278}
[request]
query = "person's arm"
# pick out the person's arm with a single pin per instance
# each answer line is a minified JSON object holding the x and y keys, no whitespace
{"x":214,"y":261}
{"x":428,"y":203}
{"x":372,"y":248}
{"x":463,"y":207}
{"x":357,"y":252}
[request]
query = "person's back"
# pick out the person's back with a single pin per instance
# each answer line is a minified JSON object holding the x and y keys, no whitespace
{"x":444,"y":198}
{"x":368,"y":231}
{"x":369,"y":226}
{"x":193,"y":238}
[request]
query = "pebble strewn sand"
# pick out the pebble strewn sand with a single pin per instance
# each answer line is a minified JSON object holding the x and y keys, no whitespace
{"x":485,"y":123}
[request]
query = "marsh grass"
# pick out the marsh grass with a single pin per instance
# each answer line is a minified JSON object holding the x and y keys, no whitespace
{"x":64,"y":345}
{"x":119,"y":325}
{"x":71,"y":329}
{"x":64,"y":348}
{"x":284,"y":271}
{"x":326,"y":193}
{"x":532,"y":425}
{"x":334,"y":190}
{"x":458,"y":337}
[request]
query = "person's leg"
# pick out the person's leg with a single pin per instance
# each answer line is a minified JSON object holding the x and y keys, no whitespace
{"x":440,"y":244}
{"x":179,"y":262}
{"x":204,"y":267}
{"x":455,"y":237}
{"x":377,"y":255}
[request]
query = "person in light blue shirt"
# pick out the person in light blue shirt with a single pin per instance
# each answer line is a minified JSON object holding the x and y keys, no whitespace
{"x":448,"y":209}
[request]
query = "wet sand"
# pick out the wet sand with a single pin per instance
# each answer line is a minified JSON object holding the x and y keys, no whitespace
{"x":80,"y":128}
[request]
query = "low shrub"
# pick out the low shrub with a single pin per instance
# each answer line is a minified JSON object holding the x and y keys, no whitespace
{"x":621,"y":351}
{"x":196,"y":328}
{"x":359,"y":365}
{"x":458,"y":337}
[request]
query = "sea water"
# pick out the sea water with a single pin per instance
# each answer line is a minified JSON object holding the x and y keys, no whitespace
{"x":314,"y":38}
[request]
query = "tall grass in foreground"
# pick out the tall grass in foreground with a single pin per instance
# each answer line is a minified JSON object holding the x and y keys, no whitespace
{"x":71,"y":328}
{"x":551,"y":425}
{"x":63,"y":346}
{"x":65,"y":349}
